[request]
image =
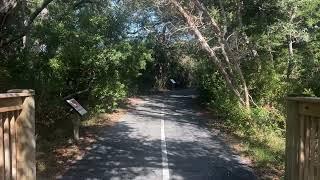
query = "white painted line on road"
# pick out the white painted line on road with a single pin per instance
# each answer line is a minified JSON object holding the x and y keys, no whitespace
{"x":165,"y":166}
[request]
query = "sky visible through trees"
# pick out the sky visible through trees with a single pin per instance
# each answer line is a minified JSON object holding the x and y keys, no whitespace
{"x":244,"y":57}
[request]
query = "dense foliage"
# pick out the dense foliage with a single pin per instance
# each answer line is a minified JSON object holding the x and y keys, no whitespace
{"x":283,"y":37}
{"x":251,"y":55}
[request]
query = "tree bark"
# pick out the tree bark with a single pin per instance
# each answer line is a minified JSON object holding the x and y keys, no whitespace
{"x":290,"y":38}
{"x":34,"y":15}
{"x":229,"y":52}
{"x":205,"y":46}
{"x":6,"y":41}
{"x":229,"y":56}
{"x":5,"y":6}
{"x":290,"y":59}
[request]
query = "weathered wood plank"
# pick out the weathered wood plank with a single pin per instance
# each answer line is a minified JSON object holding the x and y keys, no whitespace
{"x":6,"y":102}
{"x":318,"y":147}
{"x":312,"y":148}
{"x":6,"y":140}
{"x":308,"y":165}
{"x":17,"y":136}
{"x":10,"y":108}
{"x":13,"y":95}
{"x":301,"y":150}
{"x":25,"y":144}
{"x":310,"y":109}
{"x":1,"y":148}
{"x":307,"y":148}
{"x":292,"y":147}
{"x":304,"y":99}
{"x":13,"y":146}
{"x":30,"y":92}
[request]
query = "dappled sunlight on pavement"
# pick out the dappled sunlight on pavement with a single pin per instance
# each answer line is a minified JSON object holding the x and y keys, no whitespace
{"x":132,"y":148}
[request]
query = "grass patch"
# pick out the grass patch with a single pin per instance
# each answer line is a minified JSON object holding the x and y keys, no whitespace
{"x":265,"y":148}
{"x":265,"y":155}
{"x":254,"y":135}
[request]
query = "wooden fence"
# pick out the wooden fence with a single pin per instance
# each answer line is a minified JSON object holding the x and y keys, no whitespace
{"x":303,"y":139}
{"x":17,"y":140}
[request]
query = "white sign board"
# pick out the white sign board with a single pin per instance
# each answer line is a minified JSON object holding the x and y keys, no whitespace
{"x":77,"y":106}
{"x":173,"y":81}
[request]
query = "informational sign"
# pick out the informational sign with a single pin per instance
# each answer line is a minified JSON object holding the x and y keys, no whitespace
{"x":172,"y":81}
{"x":73,"y":103}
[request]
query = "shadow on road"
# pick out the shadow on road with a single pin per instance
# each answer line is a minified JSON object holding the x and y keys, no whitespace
{"x":132,"y":148}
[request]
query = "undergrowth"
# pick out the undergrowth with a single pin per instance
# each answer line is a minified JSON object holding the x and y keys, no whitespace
{"x":261,"y":139}
{"x":260,"y":130}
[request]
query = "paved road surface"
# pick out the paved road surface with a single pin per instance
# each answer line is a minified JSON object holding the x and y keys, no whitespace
{"x":161,"y":139}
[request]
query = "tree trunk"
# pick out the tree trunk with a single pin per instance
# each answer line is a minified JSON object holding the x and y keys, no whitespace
{"x":230,"y":58}
{"x":26,"y":29}
{"x":245,"y":87}
{"x":290,"y":59}
{"x":290,"y":48}
{"x":5,"y":6}
{"x":205,"y":46}
{"x":76,"y":127}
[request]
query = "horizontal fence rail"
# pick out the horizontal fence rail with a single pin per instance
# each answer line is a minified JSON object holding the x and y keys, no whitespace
{"x":303,"y":139}
{"x":17,"y":139}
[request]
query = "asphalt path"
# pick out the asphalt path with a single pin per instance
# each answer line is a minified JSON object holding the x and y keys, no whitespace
{"x":163,"y":138}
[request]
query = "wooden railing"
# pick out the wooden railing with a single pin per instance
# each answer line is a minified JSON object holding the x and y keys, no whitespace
{"x":303,"y":139}
{"x":17,"y":139}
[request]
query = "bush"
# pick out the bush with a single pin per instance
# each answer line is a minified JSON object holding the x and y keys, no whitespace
{"x":262,"y":128}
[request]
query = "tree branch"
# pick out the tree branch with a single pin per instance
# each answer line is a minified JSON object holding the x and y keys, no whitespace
{"x":205,"y":46}
{"x":224,"y":17}
{"x":213,"y":22}
{"x":33,"y":16}
{"x":6,"y":6}
{"x":78,"y":4}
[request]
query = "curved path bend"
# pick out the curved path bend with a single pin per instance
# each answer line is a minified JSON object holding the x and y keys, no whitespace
{"x":161,"y":139}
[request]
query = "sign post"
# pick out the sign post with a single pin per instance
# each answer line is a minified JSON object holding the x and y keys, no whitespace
{"x":76,"y":122}
{"x":76,"y":106}
{"x":173,"y":83}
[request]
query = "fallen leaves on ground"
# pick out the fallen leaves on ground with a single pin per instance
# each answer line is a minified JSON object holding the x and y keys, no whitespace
{"x":63,"y":155}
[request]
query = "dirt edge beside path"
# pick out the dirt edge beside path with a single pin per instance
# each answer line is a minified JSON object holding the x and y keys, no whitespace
{"x":62,"y":155}
{"x":216,"y":124}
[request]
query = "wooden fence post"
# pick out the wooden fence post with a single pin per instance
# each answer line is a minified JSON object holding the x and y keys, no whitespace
{"x":76,"y":126}
{"x":25,"y":133}
{"x":303,"y":138}
{"x":292,"y":135}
